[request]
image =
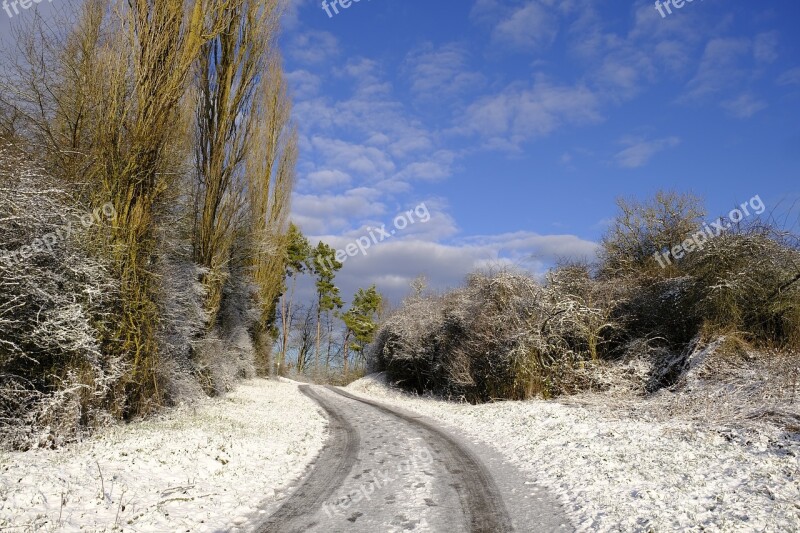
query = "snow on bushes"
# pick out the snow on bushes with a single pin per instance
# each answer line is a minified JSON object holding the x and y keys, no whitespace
{"x":502,"y":336}
{"x":53,"y":303}
{"x":56,"y":310}
{"x":507,"y":336}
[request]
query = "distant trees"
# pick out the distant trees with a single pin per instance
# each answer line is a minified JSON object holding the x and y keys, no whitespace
{"x":360,"y":320}
{"x":298,"y":257}
{"x":306,"y":338}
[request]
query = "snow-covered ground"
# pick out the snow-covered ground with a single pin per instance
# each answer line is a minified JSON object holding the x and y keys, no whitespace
{"x":204,"y":467}
{"x":614,"y":472}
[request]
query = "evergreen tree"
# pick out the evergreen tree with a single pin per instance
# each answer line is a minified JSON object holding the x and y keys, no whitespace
{"x":298,"y":259}
{"x":360,"y":321}
{"x":325,"y":268}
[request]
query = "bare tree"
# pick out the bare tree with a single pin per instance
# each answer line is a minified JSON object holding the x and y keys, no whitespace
{"x":305,"y":338}
{"x":642,"y":229}
{"x":229,"y":72}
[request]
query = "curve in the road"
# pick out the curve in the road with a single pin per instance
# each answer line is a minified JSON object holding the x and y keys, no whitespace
{"x":330,"y":470}
{"x":478,"y":498}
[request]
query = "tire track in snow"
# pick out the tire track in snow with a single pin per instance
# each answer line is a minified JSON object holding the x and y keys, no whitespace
{"x":330,"y":470}
{"x":367,"y":437}
{"x":480,"y":500}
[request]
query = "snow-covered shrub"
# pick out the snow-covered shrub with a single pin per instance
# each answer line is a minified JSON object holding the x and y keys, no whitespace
{"x":658,"y":313}
{"x":54,"y":301}
{"x":226,"y":354}
{"x":184,"y":320}
{"x":742,"y":285}
{"x":749,"y":283}
{"x":508,"y":336}
{"x":195,"y":355}
{"x":502,"y":336}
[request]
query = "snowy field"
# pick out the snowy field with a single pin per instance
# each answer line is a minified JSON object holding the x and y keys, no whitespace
{"x":617,"y":473}
{"x":204,"y":467}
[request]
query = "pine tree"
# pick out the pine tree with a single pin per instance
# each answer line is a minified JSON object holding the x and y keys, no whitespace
{"x":298,"y":257}
{"x":360,"y":322}
{"x":328,"y":299}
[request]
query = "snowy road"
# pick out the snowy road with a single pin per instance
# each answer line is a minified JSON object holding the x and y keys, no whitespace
{"x":386,"y":470}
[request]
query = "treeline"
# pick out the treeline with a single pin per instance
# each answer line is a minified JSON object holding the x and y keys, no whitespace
{"x":175,"y":115}
{"x":627,"y":321}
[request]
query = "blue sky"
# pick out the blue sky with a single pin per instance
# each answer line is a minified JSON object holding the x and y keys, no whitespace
{"x":519,"y":122}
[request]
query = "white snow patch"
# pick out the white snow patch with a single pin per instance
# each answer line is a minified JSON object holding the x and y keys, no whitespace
{"x":617,"y":473}
{"x":204,"y":467}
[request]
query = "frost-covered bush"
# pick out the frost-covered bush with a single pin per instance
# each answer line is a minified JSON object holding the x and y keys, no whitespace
{"x":54,"y":379}
{"x":226,"y":354}
{"x":198,"y":356}
{"x":508,"y":336}
{"x":742,"y":285}
{"x":502,"y":336}
{"x":57,"y":310}
{"x":183,"y":322}
{"x":749,"y":283}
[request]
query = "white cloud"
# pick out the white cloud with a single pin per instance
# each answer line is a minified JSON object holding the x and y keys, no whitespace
{"x":521,"y":113}
{"x":304,"y":84}
{"x":393,"y":264}
{"x":368,"y":162}
{"x":639,"y":151}
{"x":744,"y":106}
{"x":320,"y":213}
{"x":720,"y":67}
{"x":436,"y":72}
{"x":324,"y":179}
{"x":434,"y":168}
{"x":313,"y":47}
{"x":532,"y":27}
{"x":291,"y":15}
{"x":790,"y":77}
{"x":765,"y":47}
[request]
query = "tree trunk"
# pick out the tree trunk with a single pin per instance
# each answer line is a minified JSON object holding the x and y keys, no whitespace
{"x":287,"y":324}
{"x":330,"y":335}
{"x":316,"y":357}
{"x":263,"y":350}
{"x":284,"y":322}
{"x":345,"y":351}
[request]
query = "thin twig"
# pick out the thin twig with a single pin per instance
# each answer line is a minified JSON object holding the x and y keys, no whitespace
{"x":102,"y":485}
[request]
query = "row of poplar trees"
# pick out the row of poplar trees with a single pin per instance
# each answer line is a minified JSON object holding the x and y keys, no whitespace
{"x":176,"y":112}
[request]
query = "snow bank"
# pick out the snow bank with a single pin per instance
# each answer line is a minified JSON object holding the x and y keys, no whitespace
{"x":196,"y":468}
{"x":617,"y":473}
